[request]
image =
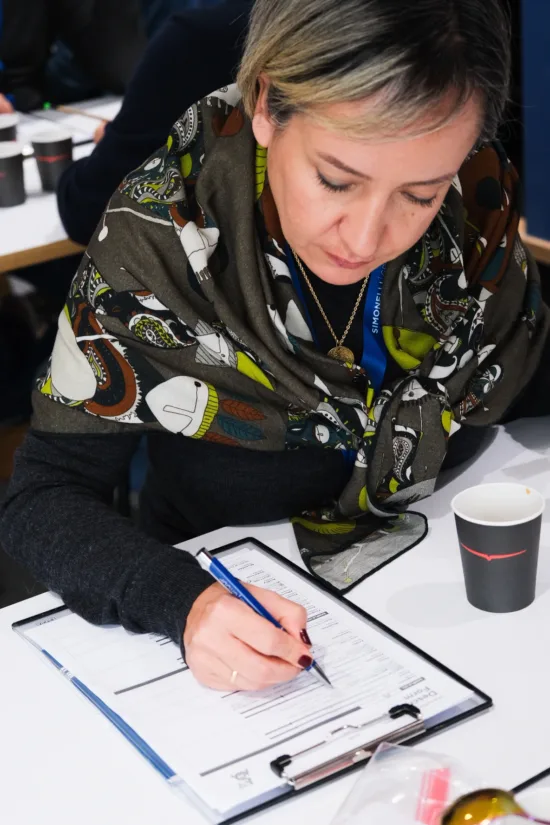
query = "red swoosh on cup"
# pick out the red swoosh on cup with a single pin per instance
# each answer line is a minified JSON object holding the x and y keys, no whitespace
{"x":51,"y":158}
{"x":492,"y":558}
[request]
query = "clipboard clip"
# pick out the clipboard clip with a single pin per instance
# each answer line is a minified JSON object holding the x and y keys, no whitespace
{"x":299,"y":776}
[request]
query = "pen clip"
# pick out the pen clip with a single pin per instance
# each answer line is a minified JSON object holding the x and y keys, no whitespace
{"x":203,"y":558}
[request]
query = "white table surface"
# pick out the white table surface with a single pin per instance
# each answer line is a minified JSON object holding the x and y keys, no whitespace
{"x":61,"y":762}
{"x":36,"y":223}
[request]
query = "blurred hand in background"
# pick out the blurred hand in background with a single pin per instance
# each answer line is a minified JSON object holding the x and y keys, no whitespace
{"x":100,"y":131}
{"x":5,"y":106}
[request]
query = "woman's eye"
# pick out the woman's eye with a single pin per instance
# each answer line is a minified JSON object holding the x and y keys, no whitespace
{"x":333,"y":187}
{"x":427,"y":202}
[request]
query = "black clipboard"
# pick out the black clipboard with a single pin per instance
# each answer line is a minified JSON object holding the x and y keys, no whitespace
{"x":411,"y":729}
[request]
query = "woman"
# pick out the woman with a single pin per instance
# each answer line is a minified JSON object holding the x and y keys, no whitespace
{"x":320,"y":287}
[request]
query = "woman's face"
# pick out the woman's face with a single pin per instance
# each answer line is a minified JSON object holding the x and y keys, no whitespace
{"x":347,"y":206}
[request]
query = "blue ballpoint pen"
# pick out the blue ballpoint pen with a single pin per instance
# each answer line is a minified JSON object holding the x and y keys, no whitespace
{"x":222,"y":575}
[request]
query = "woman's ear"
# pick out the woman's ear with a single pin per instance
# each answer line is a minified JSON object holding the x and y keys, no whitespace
{"x":262,"y":124}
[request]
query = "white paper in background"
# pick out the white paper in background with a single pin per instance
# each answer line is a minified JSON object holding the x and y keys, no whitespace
{"x":222,"y":743}
{"x":81,"y":127}
{"x":106,"y":107}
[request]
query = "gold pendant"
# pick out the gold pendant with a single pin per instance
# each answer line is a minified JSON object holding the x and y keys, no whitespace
{"x":340,"y":353}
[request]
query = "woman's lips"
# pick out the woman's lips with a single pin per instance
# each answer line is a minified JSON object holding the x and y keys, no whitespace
{"x":345,"y":264}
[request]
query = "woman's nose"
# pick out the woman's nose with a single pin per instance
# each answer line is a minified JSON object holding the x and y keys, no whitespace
{"x":361,"y":231}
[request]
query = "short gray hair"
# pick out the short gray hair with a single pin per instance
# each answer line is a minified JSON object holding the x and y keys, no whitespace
{"x":418,"y":61}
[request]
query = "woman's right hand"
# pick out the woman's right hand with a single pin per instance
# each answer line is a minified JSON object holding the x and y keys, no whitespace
{"x":229,"y":647}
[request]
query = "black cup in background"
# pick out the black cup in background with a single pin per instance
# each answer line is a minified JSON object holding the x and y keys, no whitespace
{"x":12,"y":187}
{"x":54,"y":153}
{"x":8,"y":127}
{"x":498,"y":529}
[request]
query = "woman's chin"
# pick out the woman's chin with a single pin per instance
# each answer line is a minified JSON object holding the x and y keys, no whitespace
{"x":339,"y":276}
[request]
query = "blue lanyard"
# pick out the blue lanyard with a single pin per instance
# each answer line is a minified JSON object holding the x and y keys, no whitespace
{"x":375,"y":356}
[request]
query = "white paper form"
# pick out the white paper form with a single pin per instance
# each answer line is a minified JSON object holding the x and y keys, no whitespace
{"x":222,"y":744}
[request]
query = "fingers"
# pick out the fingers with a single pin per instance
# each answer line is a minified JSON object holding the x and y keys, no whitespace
{"x":6,"y":107}
{"x":292,"y":616}
{"x":262,"y":636}
{"x":214,"y":661}
{"x":213,"y":673}
{"x":100,"y":132}
{"x":255,"y":671}
{"x":238,"y":667}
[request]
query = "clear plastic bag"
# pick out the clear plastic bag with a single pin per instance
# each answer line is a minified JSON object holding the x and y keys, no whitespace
{"x":405,"y":786}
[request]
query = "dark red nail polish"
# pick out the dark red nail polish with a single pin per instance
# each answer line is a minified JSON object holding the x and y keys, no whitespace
{"x":305,"y":661}
{"x":304,"y":637}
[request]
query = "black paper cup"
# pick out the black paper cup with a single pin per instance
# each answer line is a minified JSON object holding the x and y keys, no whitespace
{"x":8,"y":127}
{"x":12,"y":187}
{"x":53,"y":151}
{"x":498,"y":529}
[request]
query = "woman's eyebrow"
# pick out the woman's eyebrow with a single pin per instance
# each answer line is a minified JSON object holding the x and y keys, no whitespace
{"x":344,"y":168}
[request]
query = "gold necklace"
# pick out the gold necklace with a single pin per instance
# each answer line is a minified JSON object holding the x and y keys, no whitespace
{"x":339,"y":352}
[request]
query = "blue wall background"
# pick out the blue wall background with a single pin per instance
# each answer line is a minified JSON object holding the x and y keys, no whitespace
{"x":536,"y":115}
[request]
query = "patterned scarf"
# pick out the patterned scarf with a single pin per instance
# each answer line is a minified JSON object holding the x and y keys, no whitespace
{"x":183,"y":316}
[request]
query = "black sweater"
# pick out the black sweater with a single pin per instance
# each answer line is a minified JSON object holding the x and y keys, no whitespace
{"x":195,"y":53}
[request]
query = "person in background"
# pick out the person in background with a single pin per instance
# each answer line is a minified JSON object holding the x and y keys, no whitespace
{"x":304,"y":297}
{"x":106,"y":38}
{"x":48,"y":50}
{"x":165,"y":83}
{"x":196,"y":51}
